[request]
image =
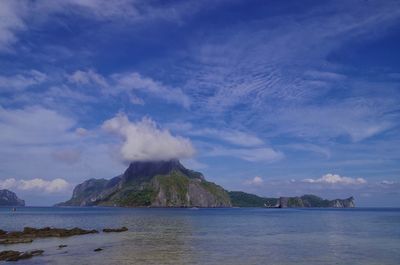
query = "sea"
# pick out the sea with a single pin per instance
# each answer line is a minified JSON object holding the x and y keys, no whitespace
{"x":241,"y":236}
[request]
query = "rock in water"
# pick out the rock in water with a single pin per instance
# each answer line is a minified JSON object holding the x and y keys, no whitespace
{"x":11,"y":255}
{"x":109,"y":230}
{"x":9,"y":198}
{"x":29,"y":233}
{"x":154,"y":184}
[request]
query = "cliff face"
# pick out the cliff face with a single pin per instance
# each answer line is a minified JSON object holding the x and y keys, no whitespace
{"x":9,"y":198}
{"x":156,"y":184}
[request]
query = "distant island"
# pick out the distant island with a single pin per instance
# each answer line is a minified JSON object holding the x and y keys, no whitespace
{"x":243,"y":199}
{"x":9,"y":198}
{"x":170,"y":184}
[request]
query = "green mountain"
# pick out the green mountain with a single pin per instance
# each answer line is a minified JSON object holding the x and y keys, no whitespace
{"x":154,"y":184}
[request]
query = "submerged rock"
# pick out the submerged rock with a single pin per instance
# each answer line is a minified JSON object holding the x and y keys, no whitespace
{"x":8,"y":241}
{"x":7,"y":254}
{"x":12,"y":255}
{"x":108,"y":230}
{"x":62,"y":246}
{"x":29,"y":233}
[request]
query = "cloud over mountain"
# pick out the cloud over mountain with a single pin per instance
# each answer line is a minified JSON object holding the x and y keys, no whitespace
{"x":144,"y":141}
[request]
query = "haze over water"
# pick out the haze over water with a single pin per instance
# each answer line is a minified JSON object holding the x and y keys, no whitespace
{"x":215,"y":236}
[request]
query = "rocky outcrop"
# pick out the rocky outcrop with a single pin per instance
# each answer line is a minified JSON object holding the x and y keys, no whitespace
{"x":9,"y":198}
{"x":151,"y":184}
{"x":116,"y":230}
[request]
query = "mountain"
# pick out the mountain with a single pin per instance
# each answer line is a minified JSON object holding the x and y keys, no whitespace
{"x":9,"y":198}
{"x":242,"y":199}
{"x":151,"y":183}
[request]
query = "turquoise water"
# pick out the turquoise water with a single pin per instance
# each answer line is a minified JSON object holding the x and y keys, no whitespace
{"x":214,"y":236}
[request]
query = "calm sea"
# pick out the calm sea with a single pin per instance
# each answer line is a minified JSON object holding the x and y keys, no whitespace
{"x":214,"y":236}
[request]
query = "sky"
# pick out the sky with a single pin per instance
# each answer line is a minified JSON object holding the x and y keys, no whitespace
{"x":276,"y":98}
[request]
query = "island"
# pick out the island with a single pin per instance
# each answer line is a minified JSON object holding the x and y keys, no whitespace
{"x":9,"y":198}
{"x":170,"y":184}
{"x":151,"y":184}
{"x":243,"y":199}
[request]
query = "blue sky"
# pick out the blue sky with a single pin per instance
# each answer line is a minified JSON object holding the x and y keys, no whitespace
{"x":270,"y":97}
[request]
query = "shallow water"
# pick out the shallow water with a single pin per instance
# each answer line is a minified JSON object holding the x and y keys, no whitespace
{"x":214,"y":236}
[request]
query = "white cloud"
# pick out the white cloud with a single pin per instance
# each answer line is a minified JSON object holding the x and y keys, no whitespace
{"x":194,"y":164}
{"x":131,"y":84}
{"x":136,"y":82}
{"x":311,"y":148}
{"x":34,"y":125}
{"x":355,"y":117}
{"x":262,"y":154}
{"x":324,"y":75}
{"x":256,"y":181}
{"x":388,"y":182}
{"x":8,"y":183}
{"x":21,"y":81}
{"x":68,"y":156}
{"x":336,"y":179}
{"x":81,"y":131}
{"x":11,"y":21}
{"x":88,"y":77}
{"x":236,"y":137}
{"x":36,"y":184}
{"x":231,"y":136}
{"x":15,"y":14}
{"x":144,"y":141}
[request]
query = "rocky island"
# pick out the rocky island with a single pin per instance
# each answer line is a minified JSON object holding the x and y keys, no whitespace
{"x":9,"y":198}
{"x":170,"y":184}
{"x":151,"y":184}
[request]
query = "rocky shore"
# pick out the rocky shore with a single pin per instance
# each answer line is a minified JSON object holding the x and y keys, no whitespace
{"x":28,"y":234}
